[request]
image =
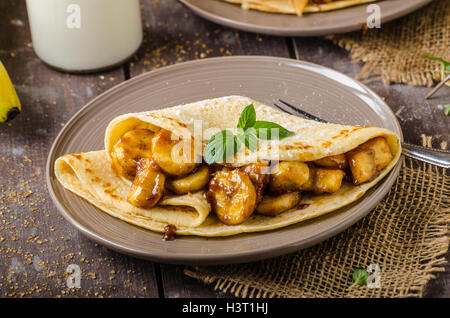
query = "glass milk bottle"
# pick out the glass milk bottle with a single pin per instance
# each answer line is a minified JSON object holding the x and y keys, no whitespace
{"x":84,"y":35}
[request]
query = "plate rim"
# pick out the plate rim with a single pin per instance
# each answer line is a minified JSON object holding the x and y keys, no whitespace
{"x":288,"y":31}
{"x":207,"y":259}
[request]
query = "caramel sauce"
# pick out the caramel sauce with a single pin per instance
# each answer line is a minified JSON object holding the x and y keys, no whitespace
{"x":169,"y":232}
{"x":259,"y":177}
{"x":209,"y":196}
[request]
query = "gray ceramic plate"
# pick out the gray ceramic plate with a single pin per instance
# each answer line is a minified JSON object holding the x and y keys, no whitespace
{"x":332,"y":22}
{"x":316,"y":89}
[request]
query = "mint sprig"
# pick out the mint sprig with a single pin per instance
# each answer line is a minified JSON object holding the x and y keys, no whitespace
{"x":220,"y":146}
{"x":248,"y":138}
{"x":248,"y":117}
{"x":224,"y":143}
{"x":359,"y":276}
{"x":445,"y":65}
{"x":268,"y":130}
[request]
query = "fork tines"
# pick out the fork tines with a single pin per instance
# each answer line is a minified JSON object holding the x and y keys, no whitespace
{"x":299,"y":111}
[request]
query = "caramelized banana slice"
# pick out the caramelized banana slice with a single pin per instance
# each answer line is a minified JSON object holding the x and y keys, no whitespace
{"x":367,"y":160}
{"x":259,"y":174}
{"x":191,"y":183}
{"x":132,"y":146}
{"x":174,"y":157}
{"x":232,"y":196}
{"x":274,"y":205}
{"x":148,"y":185}
{"x":289,"y":176}
{"x":327,"y":180}
{"x":336,"y":162}
{"x":323,"y":180}
{"x":362,"y":165}
{"x":382,"y":152}
{"x":309,"y":184}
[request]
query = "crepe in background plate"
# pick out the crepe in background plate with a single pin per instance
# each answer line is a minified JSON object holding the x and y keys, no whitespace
{"x":297,"y":7}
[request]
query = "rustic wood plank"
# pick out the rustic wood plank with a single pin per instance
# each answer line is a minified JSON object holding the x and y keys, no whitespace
{"x":178,"y":285}
{"x":172,"y":35}
{"x":36,"y":244}
{"x":440,"y":286}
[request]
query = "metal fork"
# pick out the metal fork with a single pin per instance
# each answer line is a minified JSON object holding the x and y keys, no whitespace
{"x":433,"y":156}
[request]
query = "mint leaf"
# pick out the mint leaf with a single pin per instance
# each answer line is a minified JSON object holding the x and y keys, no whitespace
{"x":221,"y":145}
{"x":445,"y":65}
{"x":247,"y":138}
{"x":224,"y":144}
{"x":359,"y":276}
{"x":447,"y":110}
{"x":214,"y":149}
{"x":268,"y":130}
{"x":251,"y":139}
{"x":434,"y":58}
{"x":240,"y":138}
{"x":248,"y":117}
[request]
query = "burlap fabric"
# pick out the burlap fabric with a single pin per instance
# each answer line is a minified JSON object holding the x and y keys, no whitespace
{"x":396,"y":50}
{"x":406,"y":235}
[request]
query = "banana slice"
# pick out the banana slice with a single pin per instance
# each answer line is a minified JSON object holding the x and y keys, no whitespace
{"x":132,"y":146}
{"x":309,"y":184}
{"x":289,"y":176}
{"x":382,"y":152}
{"x":336,"y":162}
{"x":148,"y":185}
{"x":274,"y":205}
{"x":232,"y":196}
{"x":174,"y":157}
{"x":327,"y":180}
{"x":191,"y":183}
{"x":323,"y":180}
{"x":259,"y":174}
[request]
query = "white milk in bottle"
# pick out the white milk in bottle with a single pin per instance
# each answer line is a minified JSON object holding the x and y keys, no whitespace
{"x":84,"y":35}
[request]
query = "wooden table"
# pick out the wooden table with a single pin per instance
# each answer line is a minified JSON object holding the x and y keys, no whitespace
{"x":37,"y":245}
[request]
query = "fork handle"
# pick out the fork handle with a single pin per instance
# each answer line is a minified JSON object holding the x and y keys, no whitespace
{"x":436,"y":157}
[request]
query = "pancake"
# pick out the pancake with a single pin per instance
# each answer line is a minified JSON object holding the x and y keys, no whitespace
{"x":311,"y":145}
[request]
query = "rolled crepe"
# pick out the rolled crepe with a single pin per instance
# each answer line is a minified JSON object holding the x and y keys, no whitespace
{"x":297,"y":7}
{"x":91,"y":176}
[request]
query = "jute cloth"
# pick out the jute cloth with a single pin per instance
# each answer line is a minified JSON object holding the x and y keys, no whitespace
{"x":406,"y":235}
{"x":396,"y":50}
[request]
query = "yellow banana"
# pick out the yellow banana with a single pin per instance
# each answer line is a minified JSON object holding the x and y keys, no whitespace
{"x":9,"y":102}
